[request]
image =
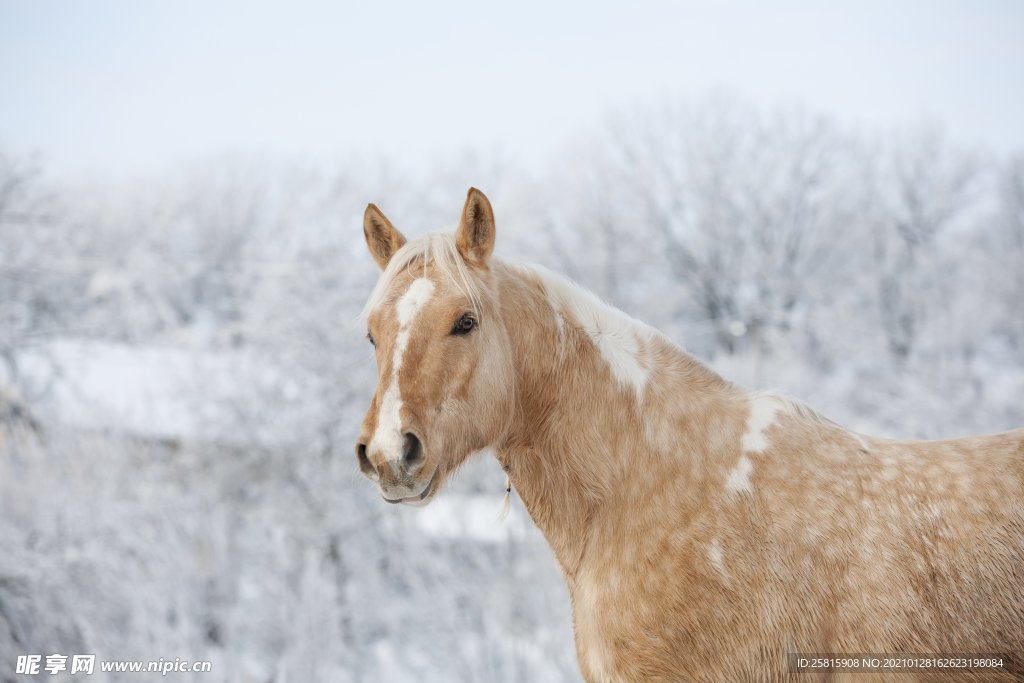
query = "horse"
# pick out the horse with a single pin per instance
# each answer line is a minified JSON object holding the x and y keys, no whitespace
{"x":705,"y":532}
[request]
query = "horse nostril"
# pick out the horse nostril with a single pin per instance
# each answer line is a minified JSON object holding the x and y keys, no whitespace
{"x":412,"y":451}
{"x":364,"y":462}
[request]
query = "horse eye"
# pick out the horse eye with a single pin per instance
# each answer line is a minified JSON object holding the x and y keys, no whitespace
{"x":464,"y":325}
{"x":369,"y":338}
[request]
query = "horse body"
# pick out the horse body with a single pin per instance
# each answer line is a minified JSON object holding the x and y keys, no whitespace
{"x":722,"y":529}
{"x":704,"y":531}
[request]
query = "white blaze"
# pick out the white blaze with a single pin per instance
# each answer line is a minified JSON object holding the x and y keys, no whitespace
{"x":387,"y":438}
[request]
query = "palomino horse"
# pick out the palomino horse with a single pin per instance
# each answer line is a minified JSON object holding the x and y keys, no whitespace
{"x":705,"y":532}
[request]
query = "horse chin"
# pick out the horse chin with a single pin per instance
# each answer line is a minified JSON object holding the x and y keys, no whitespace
{"x":417,"y":503}
{"x":426,"y":495}
{"x":423,"y":497}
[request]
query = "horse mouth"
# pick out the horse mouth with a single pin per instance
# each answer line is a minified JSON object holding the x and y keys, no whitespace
{"x":418,"y":499}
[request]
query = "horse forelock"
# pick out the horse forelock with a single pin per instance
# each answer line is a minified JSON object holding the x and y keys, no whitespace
{"x":434,"y":253}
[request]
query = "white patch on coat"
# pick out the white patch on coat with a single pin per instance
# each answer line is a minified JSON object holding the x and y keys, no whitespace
{"x":715,"y":555}
{"x":739,"y":477}
{"x":762,"y":415}
{"x":387,"y":438}
{"x":559,"y":320}
{"x":621,"y":340}
{"x":597,"y":660}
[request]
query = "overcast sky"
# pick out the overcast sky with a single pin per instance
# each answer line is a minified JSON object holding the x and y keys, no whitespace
{"x":119,"y":87}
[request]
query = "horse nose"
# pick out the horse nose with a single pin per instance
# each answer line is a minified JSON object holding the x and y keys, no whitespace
{"x":411,"y":458}
{"x":412,"y":451}
{"x":364,"y":462}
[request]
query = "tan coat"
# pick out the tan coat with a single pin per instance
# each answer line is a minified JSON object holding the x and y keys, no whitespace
{"x":705,"y":532}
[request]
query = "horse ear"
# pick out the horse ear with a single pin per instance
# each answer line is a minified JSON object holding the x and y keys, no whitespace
{"x":475,"y":237}
{"x":381,"y":237}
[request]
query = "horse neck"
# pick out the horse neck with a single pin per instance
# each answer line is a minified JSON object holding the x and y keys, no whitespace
{"x":586,"y":431}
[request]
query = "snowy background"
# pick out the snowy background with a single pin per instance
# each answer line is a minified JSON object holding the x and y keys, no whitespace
{"x":830,"y":204}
